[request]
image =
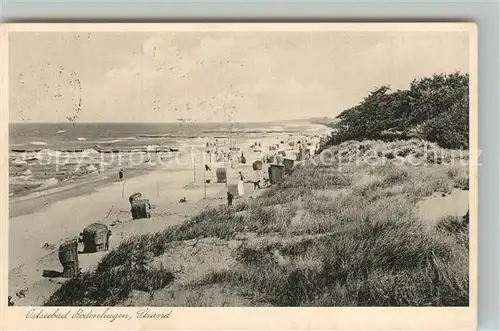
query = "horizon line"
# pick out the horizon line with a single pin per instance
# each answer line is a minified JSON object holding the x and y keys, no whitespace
{"x":170,"y":122}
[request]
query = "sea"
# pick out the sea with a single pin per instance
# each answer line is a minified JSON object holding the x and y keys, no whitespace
{"x":74,"y":136}
{"x":44,"y":155}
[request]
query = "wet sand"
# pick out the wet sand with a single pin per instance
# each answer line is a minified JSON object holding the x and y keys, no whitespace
{"x":39,"y":201}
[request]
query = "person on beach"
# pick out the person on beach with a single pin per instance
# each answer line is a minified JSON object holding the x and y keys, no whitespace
{"x":241,"y":176}
{"x":120,"y":174}
{"x":256,"y":185}
{"x":107,"y":240}
{"x":230,"y":199}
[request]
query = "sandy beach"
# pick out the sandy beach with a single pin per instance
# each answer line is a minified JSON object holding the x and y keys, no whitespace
{"x":41,"y":221}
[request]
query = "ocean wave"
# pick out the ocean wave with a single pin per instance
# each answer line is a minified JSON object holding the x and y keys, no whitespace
{"x":104,"y":142}
{"x":168,"y":135}
{"x":152,"y":148}
{"x":18,"y":162}
{"x":144,"y":135}
{"x":275,"y":128}
{"x":86,"y":154}
{"x":114,"y":141}
{"x":89,"y":152}
{"x":49,"y":152}
{"x":38,"y":143}
{"x":27,"y":173}
{"x":81,"y":139}
{"x":49,"y":182}
{"x":23,"y":178}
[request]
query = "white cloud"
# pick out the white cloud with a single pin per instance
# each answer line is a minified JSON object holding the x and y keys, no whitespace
{"x":165,"y":76}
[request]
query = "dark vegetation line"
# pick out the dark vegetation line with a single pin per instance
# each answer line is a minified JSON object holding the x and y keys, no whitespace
{"x":434,"y":108}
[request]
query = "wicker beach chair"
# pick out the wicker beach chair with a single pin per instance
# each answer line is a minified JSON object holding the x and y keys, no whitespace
{"x":68,"y":256}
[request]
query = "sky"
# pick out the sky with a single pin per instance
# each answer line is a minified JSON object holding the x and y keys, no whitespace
{"x":236,"y":76}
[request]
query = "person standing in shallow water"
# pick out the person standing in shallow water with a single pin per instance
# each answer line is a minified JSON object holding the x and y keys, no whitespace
{"x":229,"y":199}
{"x":120,"y":174}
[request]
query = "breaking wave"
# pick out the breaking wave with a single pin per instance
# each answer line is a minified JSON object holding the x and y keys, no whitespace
{"x":38,"y":143}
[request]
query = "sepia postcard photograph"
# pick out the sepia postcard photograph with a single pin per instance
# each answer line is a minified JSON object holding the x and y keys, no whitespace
{"x":325,"y":173}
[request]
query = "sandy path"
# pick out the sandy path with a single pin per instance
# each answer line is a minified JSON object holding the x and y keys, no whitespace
{"x":439,"y":205}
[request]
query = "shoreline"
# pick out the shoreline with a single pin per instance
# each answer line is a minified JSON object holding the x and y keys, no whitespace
{"x":39,"y":223}
{"x":40,"y":200}
{"x":76,"y":207}
{"x":25,"y":275}
{"x":23,"y":204}
{"x":19,"y":205}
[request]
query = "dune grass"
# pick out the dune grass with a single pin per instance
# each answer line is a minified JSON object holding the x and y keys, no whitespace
{"x":341,"y":243}
{"x":391,"y":263}
{"x":108,"y":287}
